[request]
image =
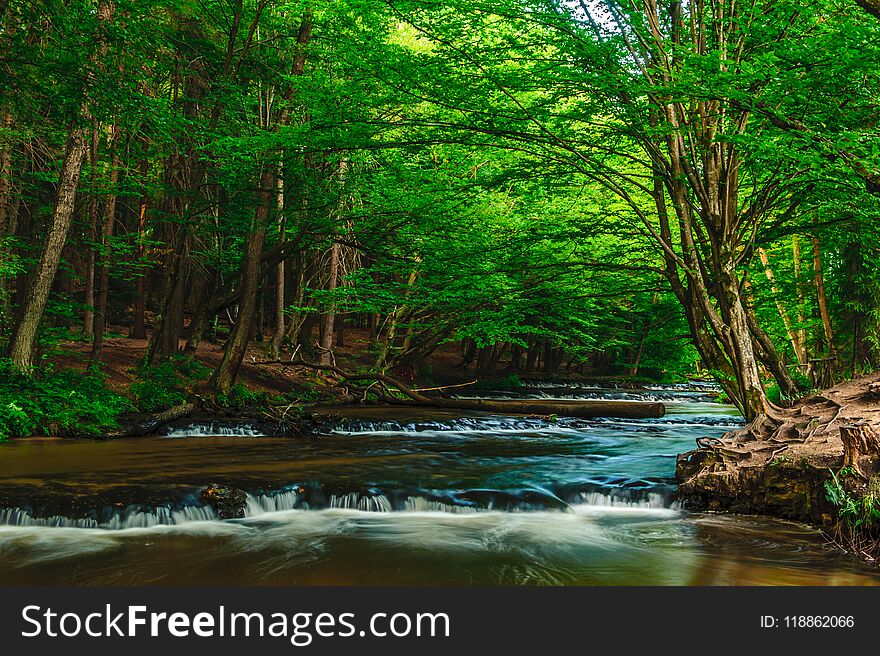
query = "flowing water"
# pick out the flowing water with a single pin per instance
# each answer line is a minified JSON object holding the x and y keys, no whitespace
{"x":398,"y":497}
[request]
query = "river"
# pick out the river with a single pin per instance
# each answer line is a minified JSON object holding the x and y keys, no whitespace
{"x":398,"y":497}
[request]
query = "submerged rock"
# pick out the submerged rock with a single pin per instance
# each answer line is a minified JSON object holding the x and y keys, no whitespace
{"x":228,"y":502}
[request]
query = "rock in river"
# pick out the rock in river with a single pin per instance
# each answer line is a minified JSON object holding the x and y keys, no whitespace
{"x":228,"y":502}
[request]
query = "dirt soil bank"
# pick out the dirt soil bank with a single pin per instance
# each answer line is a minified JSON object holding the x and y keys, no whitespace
{"x":779,"y":467}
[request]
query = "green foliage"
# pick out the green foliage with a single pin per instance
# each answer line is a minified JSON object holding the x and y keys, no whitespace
{"x":56,"y":402}
{"x":241,"y":397}
{"x":484,"y":186}
{"x":857,"y":511}
{"x":508,"y":383}
{"x":168,"y":384}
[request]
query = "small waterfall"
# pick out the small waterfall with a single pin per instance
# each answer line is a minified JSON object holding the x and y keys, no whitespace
{"x":132,"y":517}
{"x":459,"y":425}
{"x":315,"y":498}
{"x":422,"y":504}
{"x":502,"y":424}
{"x":21,"y":517}
{"x":649,"y":500}
{"x":215,"y":429}
{"x":266,"y":503}
{"x":366,"y":503}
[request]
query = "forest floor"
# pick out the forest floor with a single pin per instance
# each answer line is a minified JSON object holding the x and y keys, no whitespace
{"x":120,"y":357}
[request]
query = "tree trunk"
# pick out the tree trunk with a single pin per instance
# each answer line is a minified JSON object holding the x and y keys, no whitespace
{"x":91,"y":258}
{"x":861,"y":447}
{"x":328,"y":320}
{"x":138,"y":328}
{"x":233,"y":353}
{"x":23,"y":343}
{"x":102,"y":277}
{"x":780,"y":308}
{"x":280,"y":278}
{"x":821,"y":297}
{"x":6,"y":120}
{"x":799,"y":287}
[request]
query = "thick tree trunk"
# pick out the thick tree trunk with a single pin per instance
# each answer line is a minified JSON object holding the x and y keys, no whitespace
{"x":739,"y":337}
{"x":165,"y":340}
{"x":224,"y":377}
{"x":23,"y":343}
{"x":184,"y":174}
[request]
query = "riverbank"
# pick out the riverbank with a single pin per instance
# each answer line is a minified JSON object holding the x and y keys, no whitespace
{"x":791,"y":467}
{"x":69,"y":396}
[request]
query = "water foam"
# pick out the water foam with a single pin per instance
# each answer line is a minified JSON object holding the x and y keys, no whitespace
{"x":215,"y":429}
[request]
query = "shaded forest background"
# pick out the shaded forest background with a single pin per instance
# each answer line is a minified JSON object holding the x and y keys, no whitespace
{"x":545,"y":188}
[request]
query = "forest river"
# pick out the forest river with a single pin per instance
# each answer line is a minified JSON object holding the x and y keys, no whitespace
{"x":386,"y":496}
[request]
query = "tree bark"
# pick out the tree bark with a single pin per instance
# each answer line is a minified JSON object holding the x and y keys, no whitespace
{"x":138,"y":328}
{"x":861,"y":447}
{"x":780,"y":308}
{"x":280,"y":278}
{"x":91,"y":258}
{"x":821,"y":297}
{"x":102,"y":274}
{"x":7,"y":121}
{"x":799,"y":287}
{"x":329,"y":318}
{"x":224,"y":377}
{"x":23,"y":343}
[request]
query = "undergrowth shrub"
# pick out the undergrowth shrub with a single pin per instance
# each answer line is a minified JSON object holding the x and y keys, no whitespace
{"x":167,"y":384}
{"x":56,"y":402}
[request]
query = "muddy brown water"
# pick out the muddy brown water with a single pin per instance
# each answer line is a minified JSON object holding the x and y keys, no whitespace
{"x":398,"y":497}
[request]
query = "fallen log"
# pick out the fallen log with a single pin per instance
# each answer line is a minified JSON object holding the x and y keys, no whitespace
{"x":146,"y":425}
{"x":581,"y":409}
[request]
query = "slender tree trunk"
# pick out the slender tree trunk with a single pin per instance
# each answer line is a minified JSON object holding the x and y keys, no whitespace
{"x":7,"y":121}
{"x":204,"y":311}
{"x":280,"y":278}
{"x":780,"y":307}
{"x":8,"y":214}
{"x":821,"y":297}
{"x":89,"y":291}
{"x":23,"y":343}
{"x":329,"y":318}
{"x":799,"y":287}
{"x":103,"y":272}
{"x":138,"y":328}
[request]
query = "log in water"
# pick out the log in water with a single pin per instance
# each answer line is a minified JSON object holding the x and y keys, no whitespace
{"x":582,"y":409}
